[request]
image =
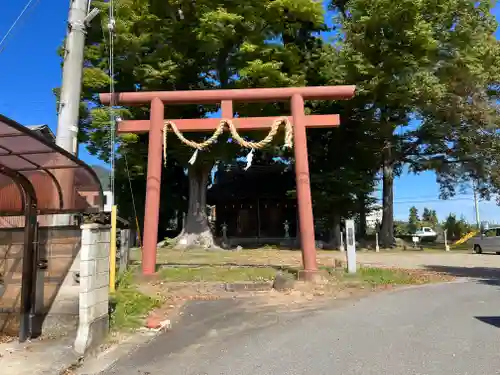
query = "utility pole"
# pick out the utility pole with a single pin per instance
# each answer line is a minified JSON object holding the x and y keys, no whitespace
{"x":476,"y":206}
{"x":69,"y":101}
{"x":71,"y":88}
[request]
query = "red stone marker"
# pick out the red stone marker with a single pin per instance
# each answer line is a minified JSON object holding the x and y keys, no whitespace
{"x":296,"y":95}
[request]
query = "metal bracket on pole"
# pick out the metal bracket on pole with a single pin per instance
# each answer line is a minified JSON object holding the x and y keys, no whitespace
{"x":91,"y":15}
{"x":111,"y":24}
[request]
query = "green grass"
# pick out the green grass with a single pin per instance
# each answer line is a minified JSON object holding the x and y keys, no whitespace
{"x":365,"y":275}
{"x":384,"y":276}
{"x":217,"y":274}
{"x":130,"y":305}
{"x":380,"y":276}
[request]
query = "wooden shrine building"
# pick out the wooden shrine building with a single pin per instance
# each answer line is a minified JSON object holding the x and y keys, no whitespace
{"x":255,"y":204}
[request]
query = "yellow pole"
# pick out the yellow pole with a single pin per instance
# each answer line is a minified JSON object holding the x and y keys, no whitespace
{"x":112,"y":251}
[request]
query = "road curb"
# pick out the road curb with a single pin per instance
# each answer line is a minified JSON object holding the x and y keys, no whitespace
{"x":107,"y":358}
{"x":248,"y":286}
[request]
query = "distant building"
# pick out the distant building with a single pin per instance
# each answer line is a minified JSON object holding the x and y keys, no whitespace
{"x":374,"y":217}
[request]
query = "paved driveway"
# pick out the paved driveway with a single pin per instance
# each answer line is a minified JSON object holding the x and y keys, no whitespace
{"x":418,"y":259}
{"x":431,"y":330}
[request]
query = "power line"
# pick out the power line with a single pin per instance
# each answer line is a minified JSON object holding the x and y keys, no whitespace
{"x":433,"y":196}
{"x":425,"y":199}
{"x":429,"y":200}
{"x":435,"y":200}
{"x":25,"y":9}
{"x":113,"y":118}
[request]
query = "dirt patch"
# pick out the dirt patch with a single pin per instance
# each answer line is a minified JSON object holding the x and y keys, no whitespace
{"x":342,"y":286}
{"x":337,"y":286}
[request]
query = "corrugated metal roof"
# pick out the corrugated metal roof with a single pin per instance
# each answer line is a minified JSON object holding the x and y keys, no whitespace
{"x":44,"y":130}
{"x":32,"y":164}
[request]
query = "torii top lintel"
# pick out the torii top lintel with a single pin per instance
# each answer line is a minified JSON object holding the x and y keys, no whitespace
{"x":244,"y":95}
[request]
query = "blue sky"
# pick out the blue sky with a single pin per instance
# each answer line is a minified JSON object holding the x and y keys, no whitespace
{"x":30,"y":69}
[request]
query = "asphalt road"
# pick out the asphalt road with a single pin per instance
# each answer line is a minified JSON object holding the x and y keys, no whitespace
{"x":440,"y":329}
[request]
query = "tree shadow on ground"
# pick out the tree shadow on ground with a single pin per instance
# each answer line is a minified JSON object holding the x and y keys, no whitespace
{"x":484,"y":275}
{"x":491,"y":320}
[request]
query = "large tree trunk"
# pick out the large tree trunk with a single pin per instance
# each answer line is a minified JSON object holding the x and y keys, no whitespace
{"x":196,"y":231}
{"x":336,"y":233}
{"x":362,"y":215}
{"x":387,"y":228}
{"x":180,"y":220}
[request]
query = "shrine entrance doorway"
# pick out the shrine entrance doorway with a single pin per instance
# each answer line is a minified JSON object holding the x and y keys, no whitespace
{"x":298,"y":120}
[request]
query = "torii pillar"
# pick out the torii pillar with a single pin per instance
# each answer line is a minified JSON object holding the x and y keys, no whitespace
{"x":296,"y":96}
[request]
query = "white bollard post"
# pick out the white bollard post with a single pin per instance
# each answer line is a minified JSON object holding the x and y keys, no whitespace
{"x":377,"y":247}
{"x":342,"y":242}
{"x":351,"y":246}
{"x":446,"y":246}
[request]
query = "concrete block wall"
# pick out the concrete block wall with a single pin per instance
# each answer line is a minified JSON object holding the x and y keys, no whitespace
{"x":124,"y":253}
{"x":94,"y":287}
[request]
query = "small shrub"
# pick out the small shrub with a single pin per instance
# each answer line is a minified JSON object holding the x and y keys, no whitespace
{"x":168,"y":243}
{"x":270,"y":247}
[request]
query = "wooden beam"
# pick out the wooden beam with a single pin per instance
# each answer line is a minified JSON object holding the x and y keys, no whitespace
{"x":243,"y":123}
{"x":242,"y":95}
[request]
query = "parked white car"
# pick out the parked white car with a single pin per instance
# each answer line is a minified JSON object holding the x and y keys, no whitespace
{"x":426,"y":234}
{"x":488,"y":241}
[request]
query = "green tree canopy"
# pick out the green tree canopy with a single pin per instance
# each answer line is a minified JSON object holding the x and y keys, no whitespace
{"x":429,"y":217}
{"x":426,"y":73}
{"x":413,"y":220}
{"x":456,"y":228}
{"x":184,"y":45}
{"x":429,"y":61}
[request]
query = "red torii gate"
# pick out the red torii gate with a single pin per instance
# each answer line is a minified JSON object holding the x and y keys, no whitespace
{"x":225,"y":98}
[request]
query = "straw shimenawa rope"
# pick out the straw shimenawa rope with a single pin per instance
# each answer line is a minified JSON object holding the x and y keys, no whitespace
{"x":234,"y":133}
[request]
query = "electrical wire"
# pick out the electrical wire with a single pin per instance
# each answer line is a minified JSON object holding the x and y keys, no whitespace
{"x":430,"y":200}
{"x":9,"y":31}
{"x":133,"y":200}
{"x":113,"y":119}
